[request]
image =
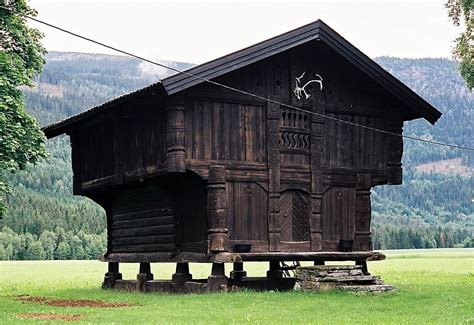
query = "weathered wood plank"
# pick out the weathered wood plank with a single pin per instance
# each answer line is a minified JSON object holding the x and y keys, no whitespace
{"x":143,"y":231}
{"x":164,"y":211}
{"x":129,"y":241}
{"x":143,"y":222}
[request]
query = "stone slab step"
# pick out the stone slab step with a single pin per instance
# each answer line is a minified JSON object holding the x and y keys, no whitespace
{"x":331,"y":267}
{"x":350,"y":278}
{"x":374,"y":288}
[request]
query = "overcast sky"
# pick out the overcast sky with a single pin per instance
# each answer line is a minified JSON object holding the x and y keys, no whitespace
{"x":196,"y":31}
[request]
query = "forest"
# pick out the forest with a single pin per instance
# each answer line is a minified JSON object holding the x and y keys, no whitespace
{"x":45,"y":221}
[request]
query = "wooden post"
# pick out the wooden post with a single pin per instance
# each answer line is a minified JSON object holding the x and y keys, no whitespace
{"x":238,"y":272}
{"x":273,"y":161}
{"x":217,"y":281}
{"x":112,"y":275}
{"x":175,"y":134}
{"x":316,"y":157}
{"x":144,"y":276}
{"x":395,"y":152}
{"x":216,"y":210}
{"x":275,"y":271}
{"x":362,"y":240}
{"x":182,"y":274}
{"x":364,"y":266}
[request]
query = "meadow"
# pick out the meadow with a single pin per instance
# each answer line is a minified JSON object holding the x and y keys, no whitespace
{"x":433,"y":286}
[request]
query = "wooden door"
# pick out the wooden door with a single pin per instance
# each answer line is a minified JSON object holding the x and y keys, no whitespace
{"x":338,"y":216}
{"x":294,"y":216}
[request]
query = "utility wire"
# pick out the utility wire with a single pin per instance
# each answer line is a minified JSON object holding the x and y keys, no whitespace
{"x":235,"y":89}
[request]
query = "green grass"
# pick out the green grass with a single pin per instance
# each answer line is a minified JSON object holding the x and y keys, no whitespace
{"x":433,"y":286}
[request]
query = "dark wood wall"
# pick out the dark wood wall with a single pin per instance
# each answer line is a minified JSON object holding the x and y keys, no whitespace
{"x":142,"y":220}
{"x":127,"y":140}
{"x":293,"y":180}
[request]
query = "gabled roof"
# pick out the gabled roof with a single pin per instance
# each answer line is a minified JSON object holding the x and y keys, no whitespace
{"x":316,"y":30}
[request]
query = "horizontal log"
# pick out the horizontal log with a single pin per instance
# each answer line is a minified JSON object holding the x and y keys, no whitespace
{"x":183,"y":257}
{"x":143,"y":231}
{"x":144,"y":248}
{"x":154,"y":221}
{"x":164,"y":239}
{"x":301,"y":246}
{"x":240,"y":257}
{"x":313,"y":256}
{"x":97,"y":183}
{"x":157,"y":212}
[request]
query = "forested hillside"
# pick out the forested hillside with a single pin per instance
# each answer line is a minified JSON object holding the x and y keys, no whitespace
{"x":46,"y":221}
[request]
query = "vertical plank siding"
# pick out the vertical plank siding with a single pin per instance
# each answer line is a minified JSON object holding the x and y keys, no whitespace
{"x":225,"y":131}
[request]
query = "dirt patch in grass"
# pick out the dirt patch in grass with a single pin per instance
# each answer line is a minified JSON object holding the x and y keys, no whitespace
{"x":72,"y":302}
{"x":44,"y":316}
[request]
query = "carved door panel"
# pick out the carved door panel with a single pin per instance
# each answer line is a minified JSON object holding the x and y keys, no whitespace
{"x":294,"y":216}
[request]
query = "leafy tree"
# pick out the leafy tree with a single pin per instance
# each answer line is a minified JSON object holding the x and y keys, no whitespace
{"x":35,"y":251}
{"x":459,"y":10}
{"x":62,"y":253}
{"x":21,"y":58}
{"x":48,"y":241}
{"x":3,"y":253}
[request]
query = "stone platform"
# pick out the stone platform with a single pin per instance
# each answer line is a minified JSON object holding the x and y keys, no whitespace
{"x":320,"y":278}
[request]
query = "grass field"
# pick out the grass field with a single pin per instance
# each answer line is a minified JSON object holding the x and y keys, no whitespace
{"x":433,"y":286}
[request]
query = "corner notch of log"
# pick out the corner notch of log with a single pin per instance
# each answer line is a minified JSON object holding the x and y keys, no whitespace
{"x":175,"y":134}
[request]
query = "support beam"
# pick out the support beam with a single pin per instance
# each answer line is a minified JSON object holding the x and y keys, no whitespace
{"x":238,"y":272}
{"x":275,"y":271}
{"x":182,"y":274}
{"x":217,"y":281}
{"x":143,"y":276}
{"x":112,"y":275}
{"x":364,"y":267}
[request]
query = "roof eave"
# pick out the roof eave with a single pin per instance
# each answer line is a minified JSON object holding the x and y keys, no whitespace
{"x":61,"y":127}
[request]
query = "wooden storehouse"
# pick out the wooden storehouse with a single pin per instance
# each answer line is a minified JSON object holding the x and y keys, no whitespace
{"x":190,"y":171}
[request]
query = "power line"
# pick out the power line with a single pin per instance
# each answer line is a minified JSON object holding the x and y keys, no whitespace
{"x":453,"y":146}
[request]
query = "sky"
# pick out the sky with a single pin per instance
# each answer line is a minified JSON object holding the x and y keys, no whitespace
{"x":197,"y":31}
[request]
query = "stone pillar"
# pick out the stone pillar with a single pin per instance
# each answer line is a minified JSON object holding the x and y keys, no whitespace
{"x":143,"y":276}
{"x":182,"y":274}
{"x":238,"y":272}
{"x":216,"y":210}
{"x":111,"y":276}
{"x":175,"y":134}
{"x":217,"y":281}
